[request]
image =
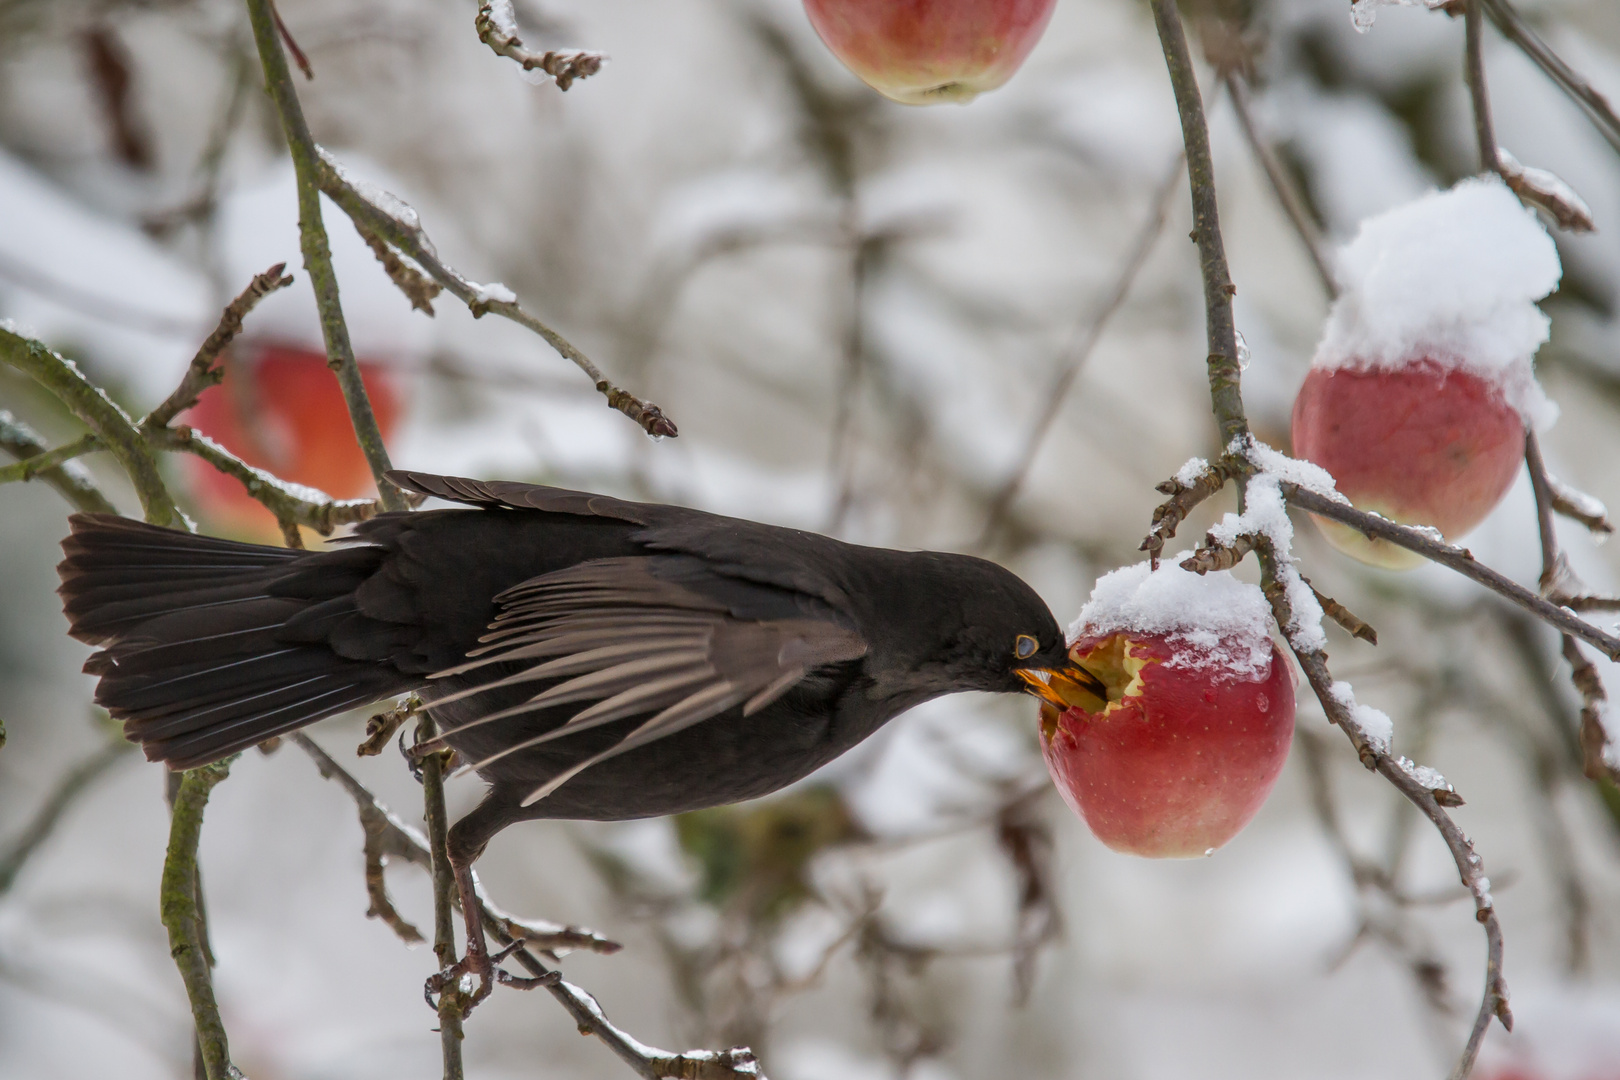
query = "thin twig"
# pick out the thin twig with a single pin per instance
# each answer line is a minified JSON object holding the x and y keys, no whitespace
{"x":406,"y":235}
{"x":1282,"y":185}
{"x":1081,"y":344}
{"x":292,"y":504}
{"x":1598,"y":754}
{"x":497,"y":28}
{"x":1593,"y":104}
{"x":1535,"y":187}
{"x":292,"y":45}
{"x":70,"y":479}
{"x":418,"y":288}
{"x":1484,"y":130}
{"x":1227,"y":401}
{"x":102,"y":416}
{"x":46,"y":460}
{"x":180,"y":907}
{"x":1342,"y":615}
{"x":74,"y":783}
{"x":1458,"y":559}
{"x":1214,"y":555}
{"x":318,"y":252}
{"x":201,"y":372}
{"x":647,"y":1061}
{"x":453,"y":1000}
{"x":399,"y":839}
{"x":1168,"y":515}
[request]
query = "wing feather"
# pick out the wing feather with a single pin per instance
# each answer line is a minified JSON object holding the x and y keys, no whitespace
{"x":659,"y":636}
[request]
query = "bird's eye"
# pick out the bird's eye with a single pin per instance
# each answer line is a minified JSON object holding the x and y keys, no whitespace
{"x":1025,"y":647}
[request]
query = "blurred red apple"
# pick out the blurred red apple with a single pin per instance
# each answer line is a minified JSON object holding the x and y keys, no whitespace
{"x":920,"y":52}
{"x":1421,"y":444}
{"x":280,"y":409}
{"x":1180,"y":756}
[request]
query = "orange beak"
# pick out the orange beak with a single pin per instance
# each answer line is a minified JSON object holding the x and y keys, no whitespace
{"x":1071,"y":686}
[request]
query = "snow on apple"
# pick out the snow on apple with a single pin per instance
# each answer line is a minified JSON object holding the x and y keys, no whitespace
{"x":1421,"y":390}
{"x":1198,"y":719}
{"x":920,"y":52}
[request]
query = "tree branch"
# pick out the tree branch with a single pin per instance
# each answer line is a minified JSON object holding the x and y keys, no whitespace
{"x":181,"y":916}
{"x":201,"y":372}
{"x":70,"y":479}
{"x":111,"y":424}
{"x":1459,"y":559}
{"x":318,"y":252}
{"x":1536,"y":187}
{"x":497,"y":28}
{"x":400,"y":839}
{"x":1594,"y":105}
{"x":647,"y":1061}
{"x":292,"y":504}
{"x":385,"y":216}
{"x":1227,"y":402}
{"x":454,"y":1002}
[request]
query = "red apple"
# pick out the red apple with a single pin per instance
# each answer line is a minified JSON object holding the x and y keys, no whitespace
{"x":1180,"y":756}
{"x":280,"y":409}
{"x":1422,"y":444}
{"x":919,"y":52}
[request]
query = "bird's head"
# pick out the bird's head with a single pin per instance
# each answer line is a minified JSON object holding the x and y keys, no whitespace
{"x":986,"y":629}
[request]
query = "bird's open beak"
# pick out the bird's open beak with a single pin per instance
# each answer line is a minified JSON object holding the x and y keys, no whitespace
{"x":1067,"y":687}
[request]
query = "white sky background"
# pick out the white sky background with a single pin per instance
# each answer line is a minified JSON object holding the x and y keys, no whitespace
{"x":666,"y":217}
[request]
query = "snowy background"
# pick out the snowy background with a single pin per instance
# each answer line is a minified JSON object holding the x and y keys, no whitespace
{"x":853,"y":310}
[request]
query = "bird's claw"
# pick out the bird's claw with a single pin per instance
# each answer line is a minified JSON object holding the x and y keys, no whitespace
{"x":454,"y":979}
{"x":519,"y":982}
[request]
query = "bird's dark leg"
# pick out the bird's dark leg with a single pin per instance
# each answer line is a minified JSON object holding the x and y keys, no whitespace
{"x":465,"y":842}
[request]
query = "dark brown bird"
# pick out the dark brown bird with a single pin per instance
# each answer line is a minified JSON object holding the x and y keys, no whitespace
{"x":591,"y":658}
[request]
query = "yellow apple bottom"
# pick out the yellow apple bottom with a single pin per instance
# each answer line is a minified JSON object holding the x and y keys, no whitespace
{"x":1370,"y":550}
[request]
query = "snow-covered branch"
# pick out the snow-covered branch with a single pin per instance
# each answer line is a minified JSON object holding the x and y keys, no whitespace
{"x":496,"y":24}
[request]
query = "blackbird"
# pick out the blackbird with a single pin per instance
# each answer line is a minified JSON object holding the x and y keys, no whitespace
{"x":590,"y":658}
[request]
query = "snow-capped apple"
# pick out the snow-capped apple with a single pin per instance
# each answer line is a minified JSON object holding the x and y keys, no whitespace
{"x":919,"y":52}
{"x":280,"y":409}
{"x":1198,"y":719}
{"x":1421,"y":389}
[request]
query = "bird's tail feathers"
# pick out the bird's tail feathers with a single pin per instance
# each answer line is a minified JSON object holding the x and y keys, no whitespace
{"x":208,"y":646}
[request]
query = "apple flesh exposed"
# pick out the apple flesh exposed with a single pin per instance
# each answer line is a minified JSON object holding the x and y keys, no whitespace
{"x":1179,"y":758}
{"x":1421,"y":445}
{"x":919,"y":52}
{"x":280,"y":409}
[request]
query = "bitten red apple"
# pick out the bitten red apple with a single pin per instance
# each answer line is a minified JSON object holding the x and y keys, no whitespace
{"x":1422,"y":444}
{"x":280,"y":409}
{"x":1180,"y":756}
{"x":919,"y":52}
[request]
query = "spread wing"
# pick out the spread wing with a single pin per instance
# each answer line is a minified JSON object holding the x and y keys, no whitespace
{"x":663,"y":637}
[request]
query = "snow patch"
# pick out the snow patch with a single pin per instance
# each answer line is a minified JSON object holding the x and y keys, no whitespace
{"x":1452,"y":278}
{"x":493,"y":293}
{"x":386,"y":201}
{"x":1304,"y":474}
{"x":1265,"y":513}
{"x":1214,"y":620}
{"x":1374,"y":725}
{"x":1189,"y":473}
{"x":1364,"y":12}
{"x":1429,"y":778}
